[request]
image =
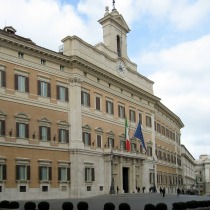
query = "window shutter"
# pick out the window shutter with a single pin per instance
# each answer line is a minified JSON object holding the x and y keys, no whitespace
{"x":48,"y":134}
{"x":83,"y":137}
{"x":4,"y":172}
{"x":89,"y":139}
{"x":119,"y":110}
{"x":82,"y":101}
{"x":59,"y":174}
{"x":39,"y":87}
{"x":67,"y":94}
{"x":86,"y":174}
{"x":48,"y":90}
{"x":28,"y":172}
{"x":2,"y":132}
{"x":16,"y":82}
{"x":68,"y":174}
{"x":97,"y":103}
{"x":17,"y":129}
{"x":40,"y":132}
{"x":27,"y":84}
{"x":58,"y":93}
{"x":93,"y":174}
{"x":40,"y":173}
{"x":112,"y":105}
{"x":67,"y":136}
{"x":106,"y":106}
{"x":88,"y":99}
{"x":59,"y":135}
{"x":27,"y":130}
{"x":3,"y":79}
{"x":17,"y":172}
{"x":50,"y":173}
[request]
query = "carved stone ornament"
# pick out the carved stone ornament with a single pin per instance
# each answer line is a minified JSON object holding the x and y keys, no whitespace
{"x":75,"y":80}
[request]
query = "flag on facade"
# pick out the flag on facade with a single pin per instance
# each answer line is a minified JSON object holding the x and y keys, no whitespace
{"x":127,"y":143}
{"x":138,"y":134}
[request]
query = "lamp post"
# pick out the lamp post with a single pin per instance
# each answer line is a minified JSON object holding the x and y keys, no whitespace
{"x":154,"y":188}
{"x":112,"y":190}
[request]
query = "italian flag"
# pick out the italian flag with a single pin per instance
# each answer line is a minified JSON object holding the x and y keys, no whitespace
{"x":127,"y":143}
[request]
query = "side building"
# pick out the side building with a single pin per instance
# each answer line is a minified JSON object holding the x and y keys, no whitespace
{"x":202,"y":174}
{"x":62,"y":119}
{"x":188,"y":171}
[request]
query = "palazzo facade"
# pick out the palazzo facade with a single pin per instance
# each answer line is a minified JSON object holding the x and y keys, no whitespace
{"x":62,"y":119}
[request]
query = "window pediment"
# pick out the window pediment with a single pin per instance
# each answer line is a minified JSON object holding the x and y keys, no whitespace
{"x":99,"y":130}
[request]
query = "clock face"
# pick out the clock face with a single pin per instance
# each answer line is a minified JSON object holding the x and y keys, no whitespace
{"x":120,"y":68}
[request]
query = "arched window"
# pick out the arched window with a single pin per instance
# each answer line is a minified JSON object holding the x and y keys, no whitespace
{"x":118,"y":46}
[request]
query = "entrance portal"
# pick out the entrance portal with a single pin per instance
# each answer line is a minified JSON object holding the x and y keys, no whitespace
{"x":125,"y":180}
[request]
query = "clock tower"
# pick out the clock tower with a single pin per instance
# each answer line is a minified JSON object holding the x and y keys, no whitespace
{"x":115,"y":31}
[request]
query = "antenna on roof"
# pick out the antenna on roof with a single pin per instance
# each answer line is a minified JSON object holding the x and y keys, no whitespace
{"x":113,"y":4}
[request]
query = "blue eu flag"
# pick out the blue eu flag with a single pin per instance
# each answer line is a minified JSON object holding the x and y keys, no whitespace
{"x":138,"y":134}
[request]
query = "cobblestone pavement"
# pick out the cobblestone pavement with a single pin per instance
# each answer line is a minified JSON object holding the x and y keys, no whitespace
{"x":136,"y":201}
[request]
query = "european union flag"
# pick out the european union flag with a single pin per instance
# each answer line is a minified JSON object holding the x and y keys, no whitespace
{"x":138,"y":134}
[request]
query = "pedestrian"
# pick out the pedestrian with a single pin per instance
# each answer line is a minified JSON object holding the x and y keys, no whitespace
{"x":178,"y":191}
{"x":117,"y":189}
{"x":164,"y":191}
{"x":138,"y":189}
{"x":143,"y":188}
{"x":160,"y":190}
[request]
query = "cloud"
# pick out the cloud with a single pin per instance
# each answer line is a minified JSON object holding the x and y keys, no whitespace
{"x":181,"y":74}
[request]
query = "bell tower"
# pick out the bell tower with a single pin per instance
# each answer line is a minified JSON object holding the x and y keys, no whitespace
{"x":115,"y":31}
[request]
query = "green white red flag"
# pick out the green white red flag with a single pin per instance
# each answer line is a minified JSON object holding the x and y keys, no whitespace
{"x":127,"y":143}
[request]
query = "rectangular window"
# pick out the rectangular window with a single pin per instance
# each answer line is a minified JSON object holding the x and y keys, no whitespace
{"x":44,"y":133}
{"x":3,"y":172}
{"x":45,"y":173}
{"x":99,"y":138}
{"x":61,"y":67}
{"x":2,"y":78}
{"x":20,"y":54}
{"x":63,"y":174}
{"x":133,"y":147}
{"x":21,"y":83}
{"x":22,"y":172}
{"x":111,"y":142}
{"x":121,"y":111}
{"x":158,"y":128}
{"x":43,"y":62}
{"x":2,"y":128}
{"x":109,"y":107}
{"x":163,"y":130}
{"x":149,"y":151}
{"x":89,"y":174}
{"x":140,"y":118}
{"x":44,"y":89}
{"x":85,"y":98}
{"x":122,"y":145}
{"x":98,"y":103}
{"x":62,"y":93}
{"x":86,"y":138}
{"x":63,"y":135}
{"x":132,"y":114}
{"x":148,"y":121}
{"x":22,"y":130}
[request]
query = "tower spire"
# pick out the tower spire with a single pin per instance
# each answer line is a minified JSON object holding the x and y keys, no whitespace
{"x":113,"y":4}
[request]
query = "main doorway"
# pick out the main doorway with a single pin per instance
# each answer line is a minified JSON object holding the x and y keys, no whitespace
{"x":125,"y":180}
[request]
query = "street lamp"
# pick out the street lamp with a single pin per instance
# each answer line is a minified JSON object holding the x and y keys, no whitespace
{"x":154,"y":188}
{"x":112,"y":190}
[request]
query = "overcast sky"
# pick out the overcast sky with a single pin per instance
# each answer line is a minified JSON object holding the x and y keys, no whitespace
{"x":169,"y":41}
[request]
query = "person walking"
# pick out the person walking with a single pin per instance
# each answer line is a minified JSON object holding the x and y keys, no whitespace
{"x":143,"y":188}
{"x":164,"y":191}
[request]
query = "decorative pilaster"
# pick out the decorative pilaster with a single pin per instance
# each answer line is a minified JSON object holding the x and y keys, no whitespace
{"x":75,"y":114}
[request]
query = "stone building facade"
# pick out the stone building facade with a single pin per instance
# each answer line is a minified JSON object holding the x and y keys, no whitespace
{"x":62,"y":119}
